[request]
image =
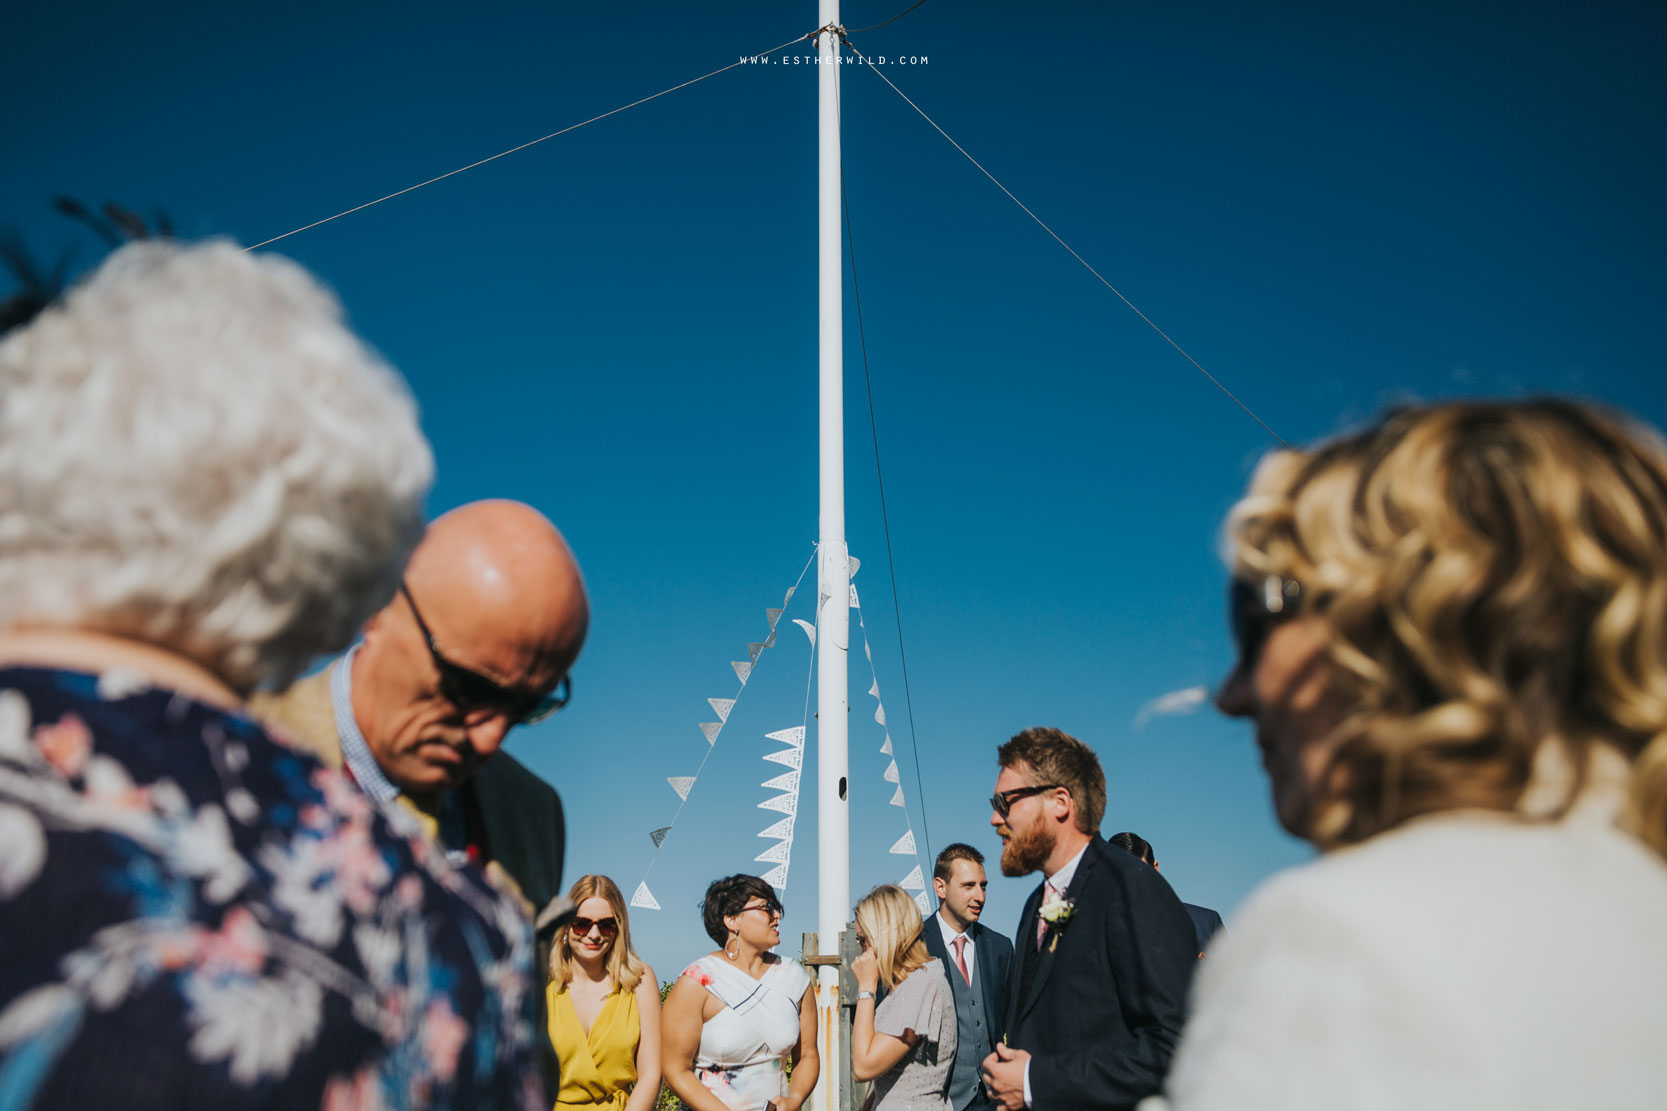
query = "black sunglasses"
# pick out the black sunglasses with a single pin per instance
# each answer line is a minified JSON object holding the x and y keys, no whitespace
{"x":772,"y":909}
{"x":1002,"y":801}
{"x":1255,"y":609}
{"x":470,"y":691}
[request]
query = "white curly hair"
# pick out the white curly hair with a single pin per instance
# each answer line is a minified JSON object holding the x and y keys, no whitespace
{"x":196,"y":452}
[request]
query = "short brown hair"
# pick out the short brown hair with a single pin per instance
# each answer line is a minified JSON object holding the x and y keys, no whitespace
{"x":951,"y":853}
{"x":1054,"y":756}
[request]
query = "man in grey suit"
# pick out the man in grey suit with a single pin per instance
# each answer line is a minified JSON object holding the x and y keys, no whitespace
{"x":977,"y":962}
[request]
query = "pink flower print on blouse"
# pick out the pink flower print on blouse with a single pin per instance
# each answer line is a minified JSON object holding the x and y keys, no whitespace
{"x":66,"y":744}
{"x":698,"y":974}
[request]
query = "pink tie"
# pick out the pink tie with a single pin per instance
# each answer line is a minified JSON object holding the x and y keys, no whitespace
{"x":961,"y":959}
{"x":1041,"y":923}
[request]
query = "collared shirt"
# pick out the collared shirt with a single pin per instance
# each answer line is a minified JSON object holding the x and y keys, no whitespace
{"x":356,"y":754}
{"x":949,"y":936}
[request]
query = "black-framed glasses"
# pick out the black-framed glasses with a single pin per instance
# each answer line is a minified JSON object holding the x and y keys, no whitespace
{"x":1256,"y":608}
{"x":1002,"y":801}
{"x":471,"y":691}
{"x":607,"y":927}
{"x":772,"y":911}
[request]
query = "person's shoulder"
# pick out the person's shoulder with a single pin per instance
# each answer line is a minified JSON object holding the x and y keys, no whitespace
{"x":302,"y":716}
{"x":788,"y":976}
{"x":995,"y":938}
{"x":507,"y":778}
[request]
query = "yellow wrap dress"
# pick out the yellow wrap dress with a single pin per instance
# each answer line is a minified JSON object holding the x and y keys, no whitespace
{"x":598,"y":1069}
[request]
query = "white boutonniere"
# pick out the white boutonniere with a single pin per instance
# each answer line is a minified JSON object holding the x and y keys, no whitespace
{"x":1056,"y":911}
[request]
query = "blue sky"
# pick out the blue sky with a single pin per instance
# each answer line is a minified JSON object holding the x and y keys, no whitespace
{"x":1332,"y":207}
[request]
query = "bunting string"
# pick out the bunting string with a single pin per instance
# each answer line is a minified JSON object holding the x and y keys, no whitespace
{"x":915,"y":881}
{"x":792,"y":758}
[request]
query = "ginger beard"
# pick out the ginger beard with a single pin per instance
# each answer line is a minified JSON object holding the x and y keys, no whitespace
{"x":1027,"y":847}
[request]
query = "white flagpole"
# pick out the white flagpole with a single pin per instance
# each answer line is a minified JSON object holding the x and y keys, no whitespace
{"x":833,"y":614}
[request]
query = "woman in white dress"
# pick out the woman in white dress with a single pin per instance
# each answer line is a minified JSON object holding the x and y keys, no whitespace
{"x":906,"y":1045}
{"x":1452,"y":634}
{"x":739,"y":1018}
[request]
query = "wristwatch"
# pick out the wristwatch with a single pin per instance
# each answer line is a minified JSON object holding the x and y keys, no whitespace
{"x":861,"y":995}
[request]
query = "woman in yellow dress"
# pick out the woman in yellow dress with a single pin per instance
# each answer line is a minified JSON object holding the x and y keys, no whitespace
{"x":604,"y":1006}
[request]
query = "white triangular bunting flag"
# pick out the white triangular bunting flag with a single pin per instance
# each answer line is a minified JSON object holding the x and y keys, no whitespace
{"x":776,"y":877}
{"x":885,"y":749}
{"x":905,"y":844}
{"x":810,"y":630}
{"x":788,"y":597}
{"x":914,"y":881}
{"x":721,"y":707}
{"x":924,"y":905}
{"x":681,"y":784}
{"x":794,"y":736}
{"x":753,"y":649}
{"x":659,"y":835}
{"x":854,"y":563}
{"x":786,"y":781}
{"x":783,"y":828}
{"x":897,"y":799}
{"x":792,"y":757}
{"x":867,"y":651}
{"x":743,"y":668}
{"x":880,"y":714}
{"x":777,"y":853}
{"x":772,"y":616}
{"x":822,"y":600}
{"x":891,"y":773}
{"x":854,"y":603}
{"x":785,"y":804}
{"x":874,"y":691}
{"x":711,"y":729}
{"x":642,"y":898}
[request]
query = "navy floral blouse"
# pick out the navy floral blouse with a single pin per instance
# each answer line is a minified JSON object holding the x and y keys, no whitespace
{"x":194,"y":916}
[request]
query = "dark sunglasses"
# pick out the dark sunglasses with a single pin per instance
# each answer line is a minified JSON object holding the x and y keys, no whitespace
{"x":608,"y":927}
{"x":772,"y":909}
{"x":1255,"y":609}
{"x":1002,"y":801}
{"x":470,"y":691}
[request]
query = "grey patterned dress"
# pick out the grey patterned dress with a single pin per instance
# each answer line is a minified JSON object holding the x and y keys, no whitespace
{"x":920,"y":1081}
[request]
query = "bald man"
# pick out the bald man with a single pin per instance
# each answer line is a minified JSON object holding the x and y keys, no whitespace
{"x":478,"y":640}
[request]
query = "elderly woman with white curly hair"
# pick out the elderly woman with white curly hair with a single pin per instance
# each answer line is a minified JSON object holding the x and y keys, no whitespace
{"x":205,"y":480}
{"x":1452,"y":636}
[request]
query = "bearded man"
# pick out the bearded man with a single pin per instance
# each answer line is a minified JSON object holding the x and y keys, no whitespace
{"x":1105,"y":950}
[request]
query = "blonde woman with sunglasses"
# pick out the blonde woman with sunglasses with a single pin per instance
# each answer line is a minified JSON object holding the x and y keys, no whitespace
{"x":604,"y":1006}
{"x":906,"y":1045}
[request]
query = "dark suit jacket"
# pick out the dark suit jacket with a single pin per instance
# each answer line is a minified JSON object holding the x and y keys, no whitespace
{"x":1206,"y":923}
{"x":1101,"y":1005}
{"x":992,"y":958}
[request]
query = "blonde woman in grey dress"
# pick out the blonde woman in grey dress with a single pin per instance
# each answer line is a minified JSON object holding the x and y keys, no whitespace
{"x":906,"y":1045}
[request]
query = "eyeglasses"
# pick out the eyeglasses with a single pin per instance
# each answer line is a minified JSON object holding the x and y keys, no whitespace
{"x":1255,"y":609}
{"x":771,"y":910}
{"x":470,"y":691}
{"x":608,"y":927}
{"x":1002,"y":801}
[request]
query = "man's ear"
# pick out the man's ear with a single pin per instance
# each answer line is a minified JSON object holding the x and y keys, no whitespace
{"x":939,"y":887}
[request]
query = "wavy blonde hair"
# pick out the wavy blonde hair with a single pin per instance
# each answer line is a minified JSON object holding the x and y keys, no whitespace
{"x":625,"y":968}
{"x":889,"y":917}
{"x":1493,"y":582}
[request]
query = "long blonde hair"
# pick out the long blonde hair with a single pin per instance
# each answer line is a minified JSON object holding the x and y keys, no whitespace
{"x":625,"y":968}
{"x":891,"y":921}
{"x":1492,"y":579}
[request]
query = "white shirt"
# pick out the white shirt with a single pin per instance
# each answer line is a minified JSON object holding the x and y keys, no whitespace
{"x":1464,"y":960}
{"x":949,"y":936}
{"x":1059,"y":881}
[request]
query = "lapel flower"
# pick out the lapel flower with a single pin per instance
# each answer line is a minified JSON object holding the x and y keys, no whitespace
{"x":1056,"y":910}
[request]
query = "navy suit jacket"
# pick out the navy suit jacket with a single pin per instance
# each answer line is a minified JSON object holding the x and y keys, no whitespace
{"x":1101,"y":1005}
{"x":1205,"y":922}
{"x":992,"y":958}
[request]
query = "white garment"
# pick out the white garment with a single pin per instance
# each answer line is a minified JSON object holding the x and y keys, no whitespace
{"x":1465,"y":960}
{"x":968,"y":949}
{"x":743,"y":1046}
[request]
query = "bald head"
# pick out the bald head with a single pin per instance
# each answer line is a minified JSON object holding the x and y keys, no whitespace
{"x":502,"y":597}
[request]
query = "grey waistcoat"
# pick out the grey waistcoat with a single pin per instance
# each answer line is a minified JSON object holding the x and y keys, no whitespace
{"x":974,"y":1044}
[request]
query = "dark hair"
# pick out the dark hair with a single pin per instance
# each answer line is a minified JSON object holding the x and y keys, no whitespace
{"x":1135,"y":845}
{"x":726,"y":897}
{"x":1056,"y":757}
{"x":951,"y":853}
